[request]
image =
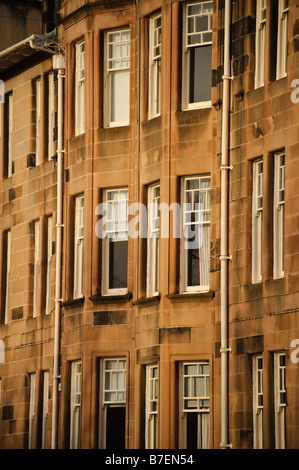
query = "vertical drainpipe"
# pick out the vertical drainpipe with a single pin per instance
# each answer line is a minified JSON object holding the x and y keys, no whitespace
{"x":58,"y":64}
{"x":224,"y":257}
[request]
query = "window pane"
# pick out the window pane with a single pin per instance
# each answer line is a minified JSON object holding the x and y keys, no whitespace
{"x":193,"y":267}
{"x":191,"y":404}
{"x":107,"y":382}
{"x":111,"y":51}
{"x":187,"y":386}
{"x":192,"y":183}
{"x":281,"y":379}
{"x":282,"y":360}
{"x":121,"y":381}
{"x":196,"y":231}
{"x":115,"y":381}
{"x":125,"y":35}
{"x":188,"y":200}
{"x":200,"y":74}
{"x":110,"y":365}
{"x":196,"y":386}
{"x":118,"y":48}
{"x":155,"y":395}
{"x":190,"y":25}
{"x":194,"y":39}
{"x":80,"y":89}
{"x":113,"y":37}
{"x":118,"y":66}
{"x":202,"y":23}
{"x":204,"y":403}
{"x":118,"y":253}
{"x":199,"y":20}
{"x":199,"y":387}
{"x":190,"y":369}
{"x":207,"y":37}
{"x":117,"y":239}
{"x":260,"y":400}
{"x":154,"y":406}
{"x":194,"y":9}
{"x":110,"y":396}
{"x":157,"y":51}
{"x":120,"y":93}
{"x":125,"y":63}
{"x":207,"y":7}
{"x":283,"y":398}
{"x":202,"y":200}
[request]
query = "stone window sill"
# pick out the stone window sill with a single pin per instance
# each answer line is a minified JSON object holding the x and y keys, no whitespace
{"x":147,"y":301}
{"x":73,"y":302}
{"x":110,"y":299}
{"x":192,"y":297}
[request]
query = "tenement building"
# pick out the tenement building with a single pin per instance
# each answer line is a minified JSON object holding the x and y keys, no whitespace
{"x":150,"y":227}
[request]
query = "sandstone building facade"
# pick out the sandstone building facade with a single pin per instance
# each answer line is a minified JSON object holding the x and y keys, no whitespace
{"x":179,"y":329}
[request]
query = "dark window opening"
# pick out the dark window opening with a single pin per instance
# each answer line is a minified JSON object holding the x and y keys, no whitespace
{"x":118,"y":255}
{"x":115,"y":427}
{"x":191,"y":430}
{"x":200,"y":80}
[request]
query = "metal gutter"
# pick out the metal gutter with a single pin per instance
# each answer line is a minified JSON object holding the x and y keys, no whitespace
{"x":58,"y":64}
{"x":224,"y":256}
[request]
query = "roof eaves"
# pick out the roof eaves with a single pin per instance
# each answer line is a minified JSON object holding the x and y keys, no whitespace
{"x":19,"y":53}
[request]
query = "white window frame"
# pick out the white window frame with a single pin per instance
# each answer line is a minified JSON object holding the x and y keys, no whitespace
{"x":80,"y":88}
{"x":75,"y":403}
{"x":155,"y":32}
{"x":199,"y":403}
{"x":51,"y":115}
{"x":10,"y":134}
{"x":78,"y":247}
{"x":38,"y":121}
{"x":32,"y":385}
{"x":280,"y":399}
{"x":151,"y":406}
{"x":282,"y":38}
{"x":49,"y":264}
{"x":258,"y":396}
{"x":153,"y":240}
{"x":257,"y":221}
{"x":186,"y":53}
{"x":116,"y":230}
{"x":202,"y":220}
{"x":279,"y":215}
{"x":45,"y":415}
{"x":260,"y":43}
{"x":110,"y":376}
{"x":115,"y":65}
{"x":36,"y":273}
{"x":7,"y":281}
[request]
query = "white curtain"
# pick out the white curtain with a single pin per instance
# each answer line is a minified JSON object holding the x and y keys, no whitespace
{"x":204,"y":255}
{"x":203,"y":431}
